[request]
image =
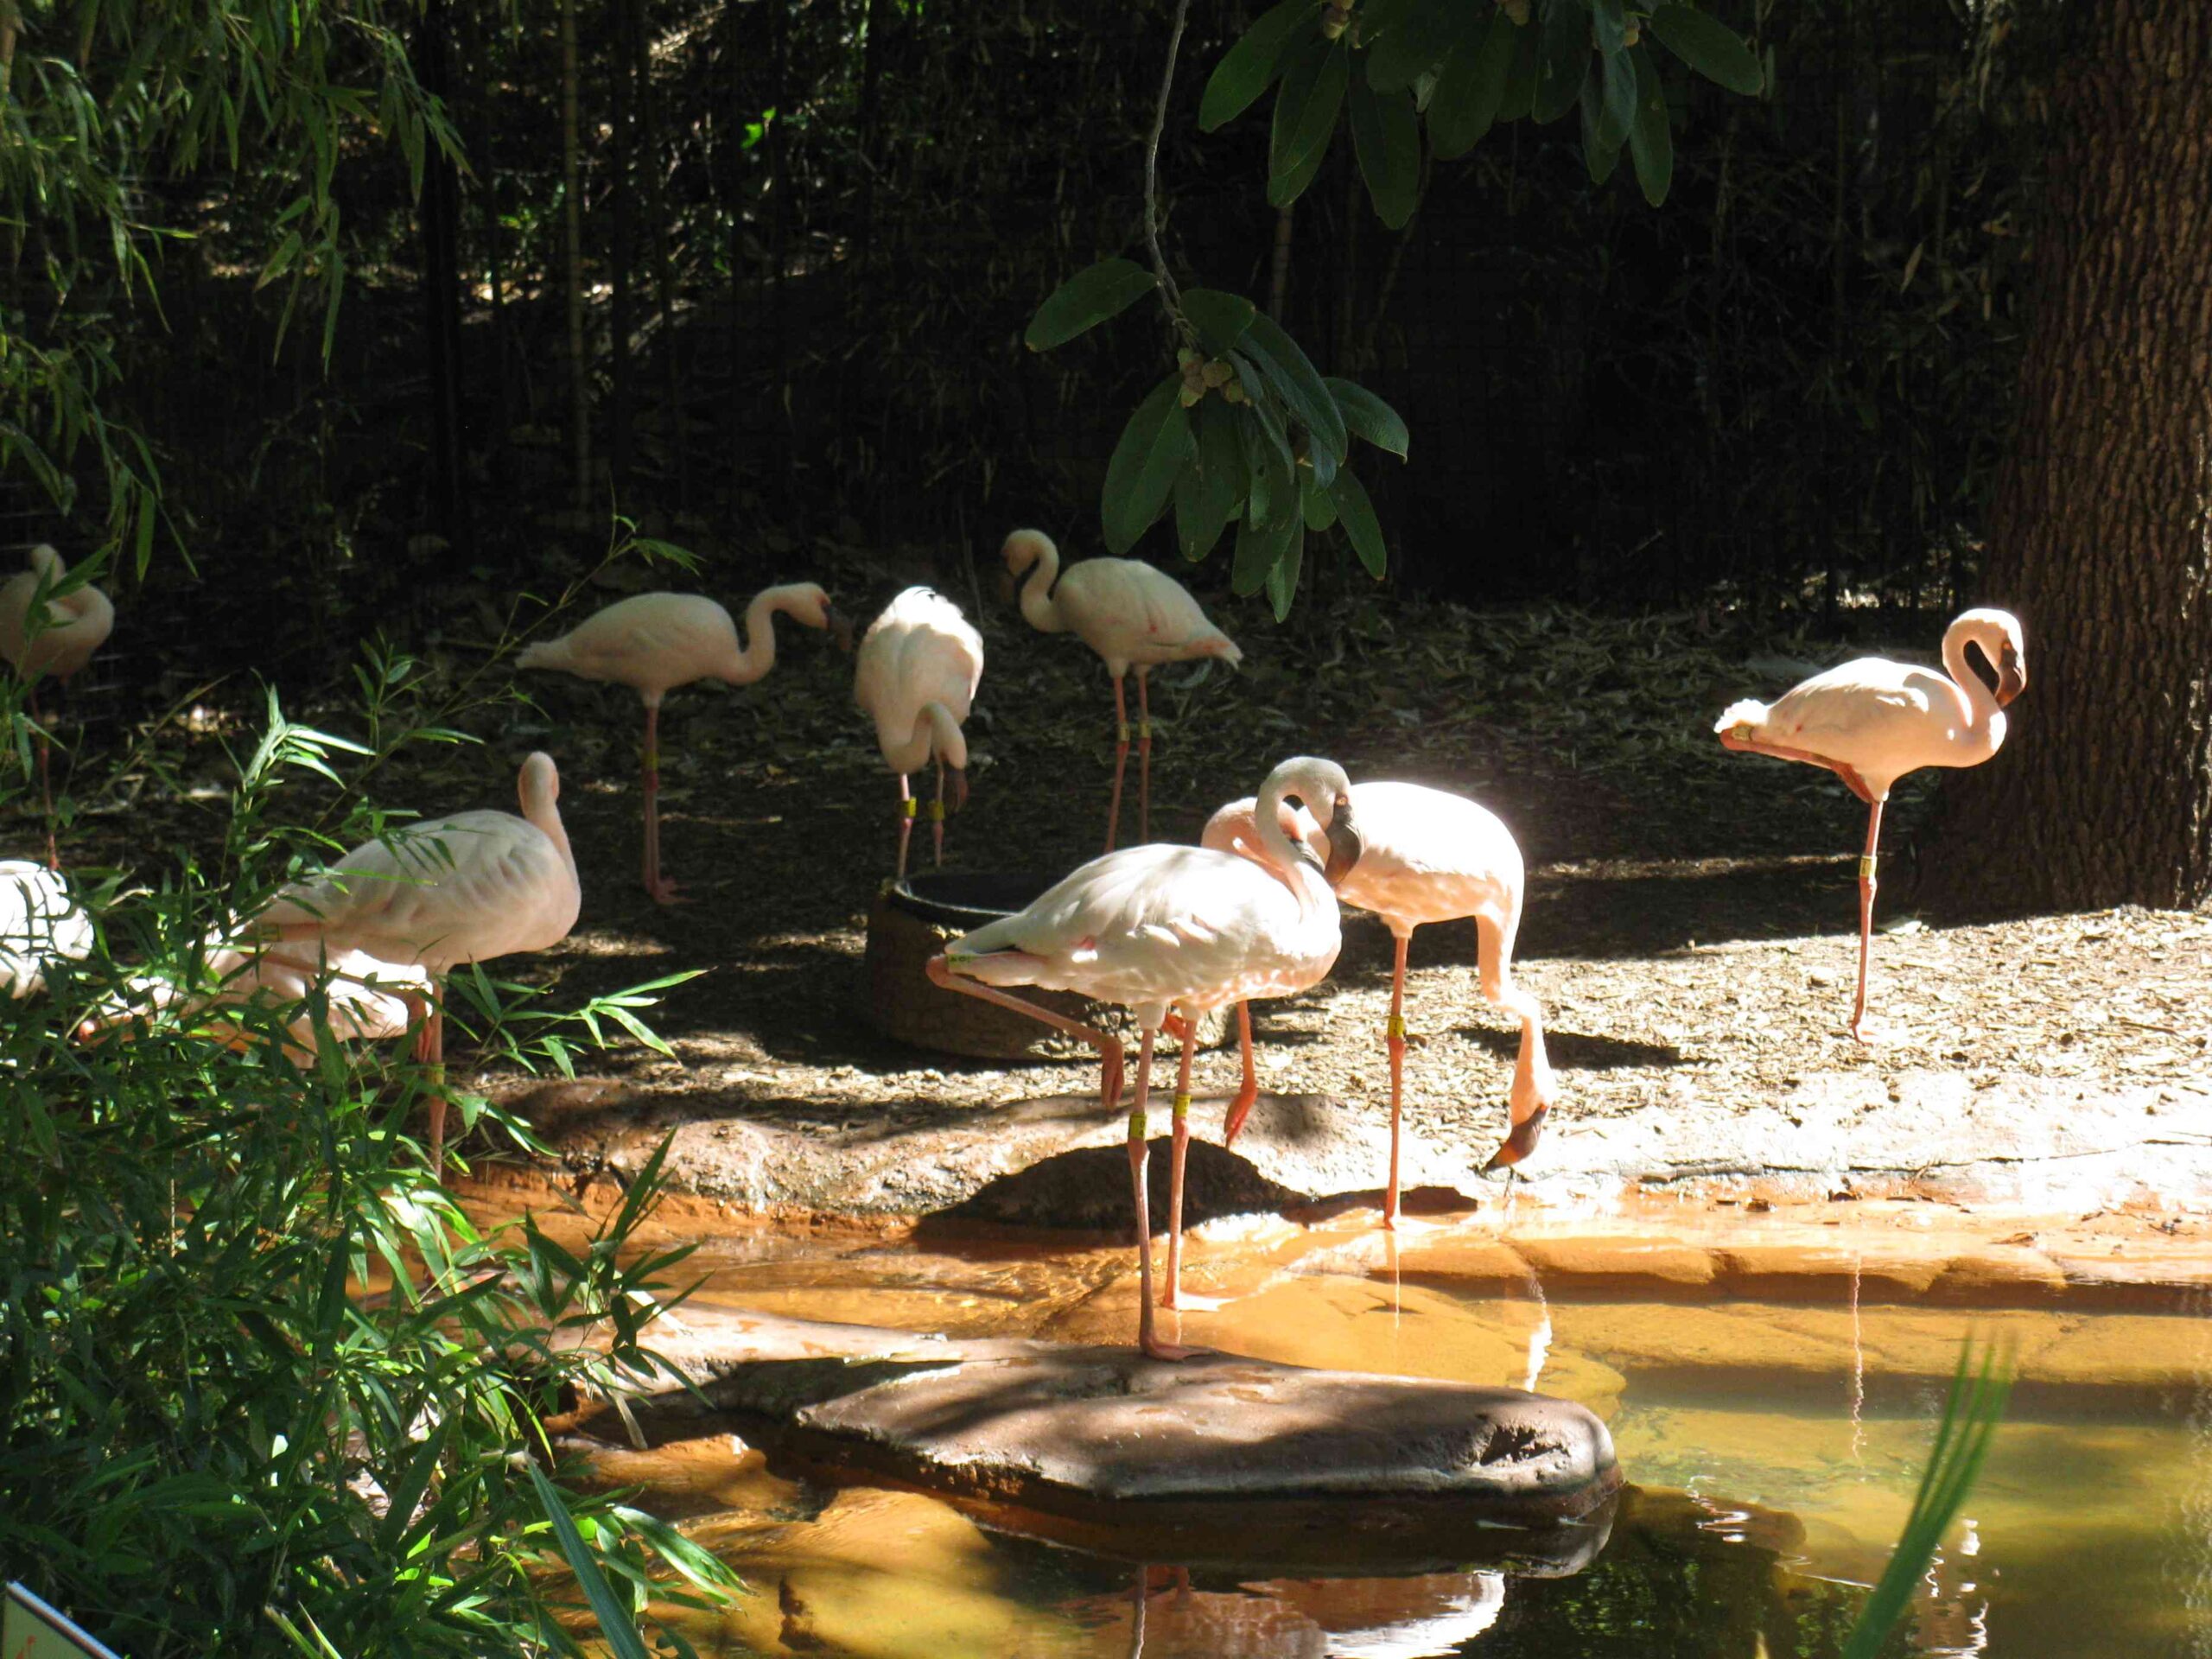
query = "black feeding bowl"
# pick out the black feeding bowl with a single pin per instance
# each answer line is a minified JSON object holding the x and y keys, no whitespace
{"x":913,"y":919}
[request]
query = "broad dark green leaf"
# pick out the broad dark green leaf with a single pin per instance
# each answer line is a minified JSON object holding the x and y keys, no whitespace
{"x":1220,"y":318}
{"x":1258,"y":548}
{"x":1270,"y":479}
{"x":1153,"y":447}
{"x":1087,"y":299}
{"x":1302,"y":68}
{"x":1415,"y":44}
{"x":1295,"y":380}
{"x":1709,"y":46}
{"x":1211,"y":489}
{"x":1650,"y":145}
{"x":1519,"y":95}
{"x":1310,"y":126}
{"x":1249,"y":67}
{"x":1315,"y":503}
{"x":1609,"y":26}
{"x":1617,"y":89}
{"x":1385,"y":136}
{"x":1196,"y":526}
{"x":1356,"y":514}
{"x":1601,"y":150}
{"x":1469,"y":91}
{"x":1282,"y":581}
{"x":1562,"y":55}
{"x":1368,"y":417}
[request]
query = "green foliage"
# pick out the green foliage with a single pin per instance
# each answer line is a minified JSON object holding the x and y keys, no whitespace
{"x":1085,"y":300}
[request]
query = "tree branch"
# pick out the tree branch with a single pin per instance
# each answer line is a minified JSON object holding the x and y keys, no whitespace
{"x":1170,"y":295}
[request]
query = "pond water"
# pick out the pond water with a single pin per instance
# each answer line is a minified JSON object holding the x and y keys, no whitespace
{"x":1772,"y":1449}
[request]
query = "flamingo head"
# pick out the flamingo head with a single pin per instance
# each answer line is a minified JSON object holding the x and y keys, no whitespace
{"x":2011,"y":672}
{"x":1322,"y":788}
{"x":1021,"y":551}
{"x":1345,"y":846}
{"x":2003,"y":645}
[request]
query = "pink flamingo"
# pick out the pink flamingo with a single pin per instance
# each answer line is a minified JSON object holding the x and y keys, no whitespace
{"x":1162,"y":928}
{"x":653,"y":643}
{"x":1428,"y":856}
{"x":442,"y":893}
{"x":56,"y":636}
{"x":362,"y":999}
{"x":1872,"y":721}
{"x":1133,"y":616}
{"x":920,"y":665}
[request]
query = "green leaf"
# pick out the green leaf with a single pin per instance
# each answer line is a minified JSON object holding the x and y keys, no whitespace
{"x":1269,"y":470}
{"x":1301,"y":70}
{"x":1616,"y":91}
{"x":1282,"y":580}
{"x":1368,"y":417}
{"x":1385,"y":136}
{"x":1422,"y":34}
{"x":1221,"y":319}
{"x":1609,"y":26}
{"x":614,"y":1621}
{"x":1563,"y":53}
{"x":1519,"y":95}
{"x":1312,"y":121}
{"x":1314,"y":502}
{"x":1249,"y":67}
{"x":1356,"y":514}
{"x":1601,"y":149}
{"x":1650,"y":145}
{"x":1294,"y":378}
{"x":1210,"y":490}
{"x":1087,"y":299}
{"x":1258,"y":550}
{"x":1469,"y":91}
{"x":1709,"y":46}
{"x":1152,"y":448}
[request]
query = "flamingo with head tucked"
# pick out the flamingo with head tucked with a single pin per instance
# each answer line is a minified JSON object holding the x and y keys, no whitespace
{"x":43,"y":632}
{"x":1162,"y":929}
{"x":1426,"y":855}
{"x":40,"y":923}
{"x":653,"y":643}
{"x":1133,"y":617}
{"x":1872,"y":721}
{"x":442,"y":893}
{"x":918,"y":667}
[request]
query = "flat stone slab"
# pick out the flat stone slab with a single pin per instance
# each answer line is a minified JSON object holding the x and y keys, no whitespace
{"x":1215,"y":1457}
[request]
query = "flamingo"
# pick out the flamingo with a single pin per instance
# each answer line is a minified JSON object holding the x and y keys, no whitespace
{"x":1133,"y":616}
{"x":1426,"y":855}
{"x":441,"y":894}
{"x":363,"y":1000}
{"x":654,"y":642}
{"x":1872,"y":721}
{"x":58,"y":640}
{"x":920,"y":665}
{"x":40,"y":925}
{"x":1162,"y":928}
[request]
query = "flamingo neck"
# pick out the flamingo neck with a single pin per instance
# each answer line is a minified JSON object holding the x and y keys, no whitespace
{"x":947,"y":742}
{"x":1038,"y":606}
{"x":758,"y":655}
{"x":540,"y":808}
{"x":1294,"y":859}
{"x":1983,"y":715}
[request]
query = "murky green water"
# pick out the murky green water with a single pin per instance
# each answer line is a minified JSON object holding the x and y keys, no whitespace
{"x":1772,"y":1449}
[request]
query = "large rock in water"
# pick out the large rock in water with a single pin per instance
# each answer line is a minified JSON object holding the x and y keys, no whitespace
{"x":1214,"y":1459}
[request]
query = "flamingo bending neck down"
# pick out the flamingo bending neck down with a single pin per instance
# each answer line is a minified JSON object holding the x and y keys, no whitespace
{"x":1872,"y":721}
{"x":442,"y":893}
{"x":43,"y":633}
{"x":1162,"y":929}
{"x":916,"y":677}
{"x":1426,"y":855}
{"x":654,"y":642}
{"x":1134,"y":616}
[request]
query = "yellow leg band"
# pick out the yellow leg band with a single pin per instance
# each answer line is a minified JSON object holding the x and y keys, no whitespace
{"x":1182,"y":1107}
{"x":1394,"y":1027}
{"x":909,"y":807}
{"x":937,"y":811}
{"x":652,"y":759}
{"x":1866,"y":867}
{"x":1144,"y":730}
{"x":1123,"y":734}
{"x":1137,"y":1126}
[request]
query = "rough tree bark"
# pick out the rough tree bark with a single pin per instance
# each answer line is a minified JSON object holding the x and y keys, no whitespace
{"x":2101,"y":533}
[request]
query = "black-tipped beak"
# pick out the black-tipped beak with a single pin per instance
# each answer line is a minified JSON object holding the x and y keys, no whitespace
{"x":957,"y":779}
{"x":2011,"y":675}
{"x":840,"y":626}
{"x":1344,"y":845}
{"x":1519,"y":1144}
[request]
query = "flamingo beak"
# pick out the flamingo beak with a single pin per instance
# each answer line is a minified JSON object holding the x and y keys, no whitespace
{"x":2011,"y":675}
{"x":957,"y":777}
{"x":1519,"y":1144}
{"x":1344,"y":845}
{"x":840,"y":626}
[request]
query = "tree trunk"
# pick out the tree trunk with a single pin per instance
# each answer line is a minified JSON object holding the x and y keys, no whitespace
{"x":2101,"y":534}
{"x":573,"y":228}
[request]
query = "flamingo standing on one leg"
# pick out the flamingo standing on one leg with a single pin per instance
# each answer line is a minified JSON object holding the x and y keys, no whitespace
{"x":58,"y":641}
{"x":1872,"y":721}
{"x":1428,"y":856}
{"x":653,"y":643}
{"x":1133,"y":616}
{"x":442,"y":893}
{"x":1162,"y":928}
{"x":918,"y":667}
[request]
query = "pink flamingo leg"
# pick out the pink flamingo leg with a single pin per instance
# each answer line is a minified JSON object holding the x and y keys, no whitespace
{"x":1109,"y":1048}
{"x":1396,"y":1034}
{"x":936,"y":817}
{"x":660,"y":890}
{"x":1172,"y":1296}
{"x":1247,"y":1091}
{"x":45,"y":781}
{"x":1144,"y":755}
{"x":905,"y":822}
{"x":1121,"y":760}
{"x":430,"y":1051}
{"x":1866,"y":917}
{"x":1149,"y":1342}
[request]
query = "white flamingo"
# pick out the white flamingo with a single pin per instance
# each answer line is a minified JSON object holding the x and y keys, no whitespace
{"x":918,"y":667}
{"x":56,"y":637}
{"x":40,"y":925}
{"x":653,"y":643}
{"x":1426,"y":855}
{"x":1133,"y":617}
{"x":442,"y":895}
{"x":362,"y":999}
{"x":1161,"y":929}
{"x":1872,"y":721}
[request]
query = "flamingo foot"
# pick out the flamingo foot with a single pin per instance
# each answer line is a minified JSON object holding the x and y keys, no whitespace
{"x":665,"y":892}
{"x":1185,"y":1301}
{"x":1153,"y":1348}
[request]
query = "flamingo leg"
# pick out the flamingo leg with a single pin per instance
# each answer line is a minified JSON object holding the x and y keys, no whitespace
{"x":44,"y":780}
{"x":1146,"y":1341}
{"x":1534,"y":1086}
{"x":1865,"y":917}
{"x":905,"y":822}
{"x":1109,"y":1047}
{"x":1121,"y":760}
{"x":936,"y":817}
{"x":1172,"y":1298}
{"x":1247,"y":1091}
{"x":430,"y":1052}
{"x":1144,"y":755}
{"x":658,"y":889}
{"x":1396,"y":1032}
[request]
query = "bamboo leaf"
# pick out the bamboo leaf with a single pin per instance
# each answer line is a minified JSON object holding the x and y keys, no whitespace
{"x":1250,"y":67}
{"x":614,"y":1621}
{"x":1087,"y":299}
{"x":1709,"y":46}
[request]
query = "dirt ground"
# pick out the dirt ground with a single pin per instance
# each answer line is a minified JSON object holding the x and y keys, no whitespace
{"x":1691,"y":914}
